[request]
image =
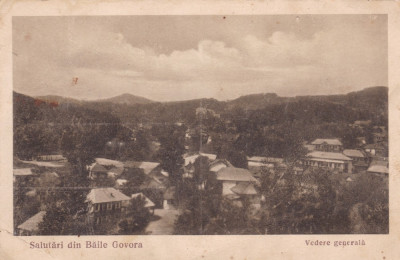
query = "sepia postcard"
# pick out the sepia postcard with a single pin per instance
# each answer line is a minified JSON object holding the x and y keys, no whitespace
{"x":210,"y":130}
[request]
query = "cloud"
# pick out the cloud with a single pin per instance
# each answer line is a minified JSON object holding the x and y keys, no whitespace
{"x":107,"y":63}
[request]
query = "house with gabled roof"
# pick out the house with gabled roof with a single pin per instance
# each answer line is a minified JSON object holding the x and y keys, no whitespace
{"x":360,"y":161}
{"x":229,"y":177}
{"x":327,"y":144}
{"x":97,"y":170}
{"x":148,"y":203}
{"x":31,"y":226}
{"x":103,"y":202}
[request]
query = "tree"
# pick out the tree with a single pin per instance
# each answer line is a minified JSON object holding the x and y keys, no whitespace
{"x":171,"y":152}
{"x":300,"y":204}
{"x":137,"y":217}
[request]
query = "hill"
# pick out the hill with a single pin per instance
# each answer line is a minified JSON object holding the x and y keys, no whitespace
{"x":127,"y":99}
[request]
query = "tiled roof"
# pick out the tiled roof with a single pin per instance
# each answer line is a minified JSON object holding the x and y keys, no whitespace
{"x":32,"y":224}
{"x":328,"y":155}
{"x":235,"y":174}
{"x":328,"y":141}
{"x":102,"y":195}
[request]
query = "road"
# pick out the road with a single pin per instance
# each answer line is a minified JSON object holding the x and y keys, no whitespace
{"x":164,"y":225}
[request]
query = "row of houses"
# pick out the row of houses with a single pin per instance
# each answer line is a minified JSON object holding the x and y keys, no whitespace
{"x":329,"y":154}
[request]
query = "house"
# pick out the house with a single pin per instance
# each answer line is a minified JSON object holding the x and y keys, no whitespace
{"x":361,"y":123}
{"x":109,"y":163}
{"x":189,"y":163}
{"x":257,"y":164}
{"x":152,"y":183}
{"x":359,"y":159}
{"x":379,"y":170}
{"x":379,"y":137}
{"x":31,"y":226}
{"x":97,"y":170}
{"x":169,"y":198}
{"x":379,"y":149}
{"x":50,"y":157}
{"x":191,"y":159}
{"x":328,"y":145}
{"x":329,"y":160}
{"x":218,"y":164}
{"x":115,"y":172}
{"x":105,"y":202}
{"x":147,"y":167}
{"x":23,"y":174}
{"x":148,"y":203}
{"x":231,"y":176}
{"x":249,"y":192}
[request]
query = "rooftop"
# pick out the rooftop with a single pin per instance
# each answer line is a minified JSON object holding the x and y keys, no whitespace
{"x":333,"y":141}
{"x":235,"y":174}
{"x":191,"y":159}
{"x":265,"y":159}
{"x":104,"y":161}
{"x":148,"y":202}
{"x":32,"y":224}
{"x":102,"y":195}
{"x":97,"y":168}
{"x":378,"y":169}
{"x":244,"y":188}
{"x":146,"y":166}
{"x":328,"y":156}
{"x":353,"y":153}
{"x":22,"y":172}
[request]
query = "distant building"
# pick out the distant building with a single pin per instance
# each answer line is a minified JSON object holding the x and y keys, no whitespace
{"x":51,"y":157}
{"x":147,"y":167}
{"x":328,"y":145}
{"x":379,"y":170}
{"x":257,"y":164}
{"x":361,"y":123}
{"x":169,"y":198}
{"x":329,"y":160}
{"x":23,"y":174}
{"x":360,"y":162}
{"x":31,"y":226}
{"x":378,"y":149}
{"x":97,"y":171}
{"x":218,"y":164}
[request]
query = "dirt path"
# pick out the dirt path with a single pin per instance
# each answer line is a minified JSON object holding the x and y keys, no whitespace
{"x":164,"y":225}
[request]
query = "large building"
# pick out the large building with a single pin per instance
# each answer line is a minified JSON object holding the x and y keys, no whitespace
{"x":329,"y":160}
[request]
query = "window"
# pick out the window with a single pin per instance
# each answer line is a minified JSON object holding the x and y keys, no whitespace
{"x":97,"y":207}
{"x":118,"y":205}
{"x":109,"y":206}
{"x":103,"y":206}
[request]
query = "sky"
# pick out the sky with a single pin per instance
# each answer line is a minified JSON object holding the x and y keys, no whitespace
{"x":169,"y":58}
